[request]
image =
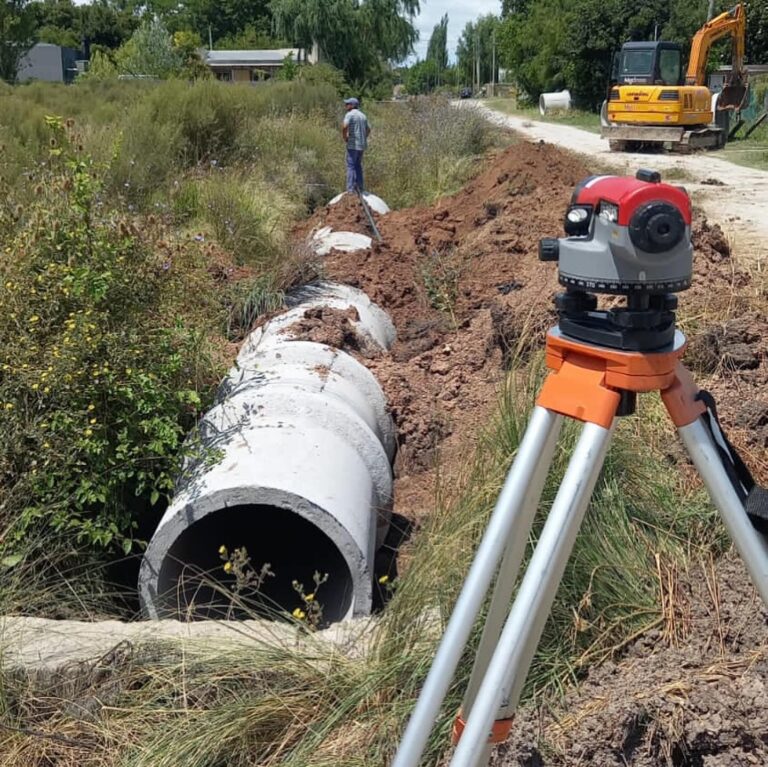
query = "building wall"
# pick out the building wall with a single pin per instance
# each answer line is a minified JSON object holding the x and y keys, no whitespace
{"x":42,"y":62}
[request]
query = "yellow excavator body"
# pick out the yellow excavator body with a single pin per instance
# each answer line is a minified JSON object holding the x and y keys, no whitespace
{"x":651,"y":101}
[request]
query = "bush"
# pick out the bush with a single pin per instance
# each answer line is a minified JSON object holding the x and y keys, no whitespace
{"x":102,"y":364}
{"x":422,"y":149}
{"x":247,"y":218}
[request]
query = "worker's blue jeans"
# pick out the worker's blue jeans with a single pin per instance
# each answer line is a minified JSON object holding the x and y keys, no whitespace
{"x":355,"y":170}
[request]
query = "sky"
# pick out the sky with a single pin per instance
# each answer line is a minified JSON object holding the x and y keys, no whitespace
{"x":459,"y":13}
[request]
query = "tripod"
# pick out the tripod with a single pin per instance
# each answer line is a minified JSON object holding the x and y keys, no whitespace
{"x":594,"y":384}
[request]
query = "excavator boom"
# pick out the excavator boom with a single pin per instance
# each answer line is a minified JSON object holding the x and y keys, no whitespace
{"x":733,"y":23}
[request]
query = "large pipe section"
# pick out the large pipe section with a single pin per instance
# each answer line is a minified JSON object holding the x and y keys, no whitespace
{"x":550,"y":101}
{"x":295,"y":468}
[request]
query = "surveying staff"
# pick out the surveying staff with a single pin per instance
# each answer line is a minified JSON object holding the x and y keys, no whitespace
{"x":355,"y":131}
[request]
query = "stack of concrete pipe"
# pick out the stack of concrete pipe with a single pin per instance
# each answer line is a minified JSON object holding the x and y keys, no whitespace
{"x":295,"y":468}
{"x":325,"y":240}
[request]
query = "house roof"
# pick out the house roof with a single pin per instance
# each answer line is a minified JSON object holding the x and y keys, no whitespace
{"x":248,"y":58}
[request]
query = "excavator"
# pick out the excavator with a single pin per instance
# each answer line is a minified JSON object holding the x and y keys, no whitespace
{"x":651,"y":102}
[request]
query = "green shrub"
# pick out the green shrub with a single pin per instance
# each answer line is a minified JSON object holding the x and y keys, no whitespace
{"x":247,"y":218}
{"x":102,"y":369}
{"x":422,"y":149}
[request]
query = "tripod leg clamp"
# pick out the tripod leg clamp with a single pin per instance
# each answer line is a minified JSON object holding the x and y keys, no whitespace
{"x":499,"y":732}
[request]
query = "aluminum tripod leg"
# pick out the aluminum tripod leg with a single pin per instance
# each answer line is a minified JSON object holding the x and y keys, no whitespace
{"x":507,"y":577}
{"x":508,"y":668}
{"x":751,"y":545}
{"x":539,"y":438}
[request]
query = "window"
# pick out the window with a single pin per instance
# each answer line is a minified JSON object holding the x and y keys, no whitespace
{"x":637,"y":62}
{"x":670,"y":68}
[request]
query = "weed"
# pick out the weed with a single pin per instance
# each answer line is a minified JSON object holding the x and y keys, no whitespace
{"x":441,"y":277}
{"x":259,"y":298}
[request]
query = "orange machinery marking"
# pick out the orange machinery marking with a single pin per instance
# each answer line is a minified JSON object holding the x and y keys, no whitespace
{"x":499,"y":731}
{"x":586,"y":381}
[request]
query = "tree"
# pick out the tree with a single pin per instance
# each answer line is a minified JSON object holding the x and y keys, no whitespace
{"x":437,"y":50}
{"x":421,"y":78}
{"x":217,"y":18}
{"x":17,"y":24}
{"x":149,"y":52}
{"x":359,"y":38}
{"x":514,"y":7}
{"x":475,"y":50}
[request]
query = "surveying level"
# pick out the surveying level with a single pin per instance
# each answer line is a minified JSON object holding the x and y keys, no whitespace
{"x":629,"y":237}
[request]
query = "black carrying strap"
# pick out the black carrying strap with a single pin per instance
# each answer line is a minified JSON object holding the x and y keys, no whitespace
{"x":754,"y":497}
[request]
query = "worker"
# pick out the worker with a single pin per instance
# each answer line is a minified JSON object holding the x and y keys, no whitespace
{"x":355,"y":131}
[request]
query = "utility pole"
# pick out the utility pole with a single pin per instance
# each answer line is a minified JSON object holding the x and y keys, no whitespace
{"x":210,"y":38}
{"x":477,"y":58}
{"x":493,"y":65}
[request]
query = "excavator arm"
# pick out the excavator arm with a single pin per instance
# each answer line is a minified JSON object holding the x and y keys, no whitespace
{"x":733,"y":23}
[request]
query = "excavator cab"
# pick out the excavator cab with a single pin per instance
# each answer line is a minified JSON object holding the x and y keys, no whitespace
{"x":648,"y":63}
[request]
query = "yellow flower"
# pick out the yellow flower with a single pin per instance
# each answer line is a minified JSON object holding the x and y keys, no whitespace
{"x":92,"y":421}
{"x":309,"y":598}
{"x":384,"y":579}
{"x":35,"y":387}
{"x":222,"y":550}
{"x":46,"y":444}
{"x":299,"y":614}
{"x":34,"y":318}
{"x":88,"y":432}
{"x":47,"y":390}
{"x":9,"y":285}
{"x":91,"y":407}
{"x":227,"y":567}
{"x":9,"y":405}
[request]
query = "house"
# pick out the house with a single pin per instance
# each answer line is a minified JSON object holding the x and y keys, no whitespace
{"x":51,"y":63}
{"x":252,"y":66}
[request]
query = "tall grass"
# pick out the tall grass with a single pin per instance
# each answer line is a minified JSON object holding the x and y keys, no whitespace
{"x":311,"y":706}
{"x":423,"y":149}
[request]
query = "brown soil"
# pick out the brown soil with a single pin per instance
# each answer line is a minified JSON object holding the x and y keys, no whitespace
{"x":700,"y":701}
{"x":463,"y":284}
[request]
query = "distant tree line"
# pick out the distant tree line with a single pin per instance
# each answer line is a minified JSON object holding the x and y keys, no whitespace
{"x":361,"y":38}
{"x":553,"y":44}
{"x":548,"y":45}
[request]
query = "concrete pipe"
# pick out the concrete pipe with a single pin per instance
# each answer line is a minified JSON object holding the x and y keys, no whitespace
{"x":325,"y":240}
{"x":376,"y":204}
{"x":551,"y":101}
{"x":370,"y":322}
{"x":296,"y":469}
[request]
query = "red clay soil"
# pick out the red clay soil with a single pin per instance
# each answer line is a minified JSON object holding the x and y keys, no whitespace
{"x":463,"y":284}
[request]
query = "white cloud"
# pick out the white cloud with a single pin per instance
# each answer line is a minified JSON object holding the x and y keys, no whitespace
{"x":459,"y":13}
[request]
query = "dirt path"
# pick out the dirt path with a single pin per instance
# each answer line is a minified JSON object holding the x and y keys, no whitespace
{"x":733,"y":196}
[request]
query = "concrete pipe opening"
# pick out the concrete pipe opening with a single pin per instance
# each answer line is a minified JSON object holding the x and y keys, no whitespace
{"x":293,"y":548}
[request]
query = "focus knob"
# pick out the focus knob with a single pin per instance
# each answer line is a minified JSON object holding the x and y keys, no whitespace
{"x":549,"y":249}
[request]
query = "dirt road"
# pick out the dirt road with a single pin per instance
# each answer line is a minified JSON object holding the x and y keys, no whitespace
{"x":734,"y":196}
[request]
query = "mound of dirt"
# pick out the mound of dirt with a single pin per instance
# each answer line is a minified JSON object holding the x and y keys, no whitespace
{"x":695,"y":695}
